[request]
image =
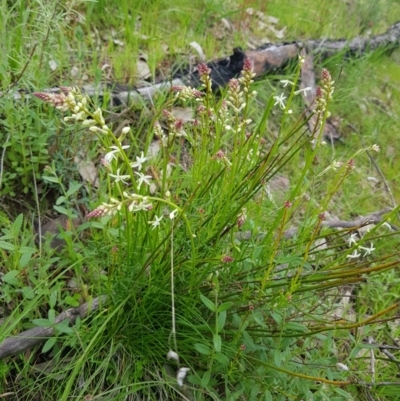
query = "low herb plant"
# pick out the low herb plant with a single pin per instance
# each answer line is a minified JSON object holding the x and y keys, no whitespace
{"x":215,"y":289}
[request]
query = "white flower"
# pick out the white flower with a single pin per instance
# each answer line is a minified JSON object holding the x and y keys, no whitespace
{"x":173,"y":214}
{"x":354,"y":255}
{"x":352,"y":239}
{"x":286,"y":82}
{"x":118,"y":177}
{"x":155,"y":223}
{"x":143,"y":179}
{"x":111,"y":155}
{"x":181,"y":375}
{"x":375,"y":148}
{"x":173,"y":355}
{"x":303,"y":90}
{"x":139,"y":161}
{"x":336,"y":165}
{"x":369,"y":250}
{"x":141,"y":206}
{"x":279,"y":100}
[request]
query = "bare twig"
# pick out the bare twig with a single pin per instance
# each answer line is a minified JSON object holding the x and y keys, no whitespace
{"x":32,"y":337}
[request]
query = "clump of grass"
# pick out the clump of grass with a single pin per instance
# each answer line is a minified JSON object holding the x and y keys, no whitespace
{"x":215,"y":290}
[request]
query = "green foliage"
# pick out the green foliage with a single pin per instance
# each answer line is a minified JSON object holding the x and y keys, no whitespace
{"x":204,"y":262}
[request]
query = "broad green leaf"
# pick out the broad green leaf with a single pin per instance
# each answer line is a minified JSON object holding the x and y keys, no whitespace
{"x":224,"y":306}
{"x":53,"y":299}
{"x":51,"y":315}
{"x":49,"y":344}
{"x":203,"y":349}
{"x":210,"y":305}
{"x":217,"y":342}
{"x":16,"y":225}
{"x":11,"y":277}
{"x":64,"y":328}
{"x":221,"y":358}
{"x":206,"y":378}
{"x":74,"y":187}
{"x":28,"y":292}
{"x":295,"y":326}
{"x":62,"y":210}
{"x":51,"y":179}
{"x":7,"y":246}
{"x":42,"y":322}
{"x":221,"y":320}
{"x":60,"y":200}
{"x":27,"y":249}
{"x":71,"y":301}
{"x":24,"y":260}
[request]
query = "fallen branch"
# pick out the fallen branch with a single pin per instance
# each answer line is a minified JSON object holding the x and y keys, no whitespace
{"x":266,"y":59}
{"x":308,"y":81}
{"x":32,"y":337}
{"x":373,"y":218}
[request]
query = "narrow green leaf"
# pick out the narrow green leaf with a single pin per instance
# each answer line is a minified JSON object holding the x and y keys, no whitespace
{"x":217,"y":342}
{"x":210,"y":305}
{"x":51,"y":179}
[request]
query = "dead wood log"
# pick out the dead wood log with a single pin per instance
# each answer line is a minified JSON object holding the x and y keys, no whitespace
{"x":32,"y":337}
{"x":308,"y":81}
{"x":266,"y":59}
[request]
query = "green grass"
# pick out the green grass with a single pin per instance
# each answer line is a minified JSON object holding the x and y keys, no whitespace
{"x":262,"y":318}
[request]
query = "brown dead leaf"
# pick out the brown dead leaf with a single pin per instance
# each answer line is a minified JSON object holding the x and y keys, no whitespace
{"x":142,"y":69}
{"x":53,"y":227}
{"x":186,"y":114}
{"x":88,"y":171}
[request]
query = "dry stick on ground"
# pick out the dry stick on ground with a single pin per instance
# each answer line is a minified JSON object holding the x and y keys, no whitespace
{"x":29,"y":338}
{"x":266,"y":59}
{"x":308,"y":81}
